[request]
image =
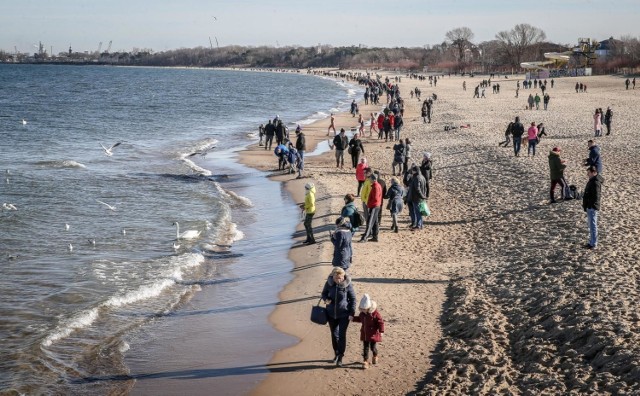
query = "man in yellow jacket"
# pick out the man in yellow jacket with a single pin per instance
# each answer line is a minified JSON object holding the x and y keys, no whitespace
{"x":309,"y":208}
{"x":366,"y":190}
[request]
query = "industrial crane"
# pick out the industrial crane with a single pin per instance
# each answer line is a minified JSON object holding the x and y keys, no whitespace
{"x":109,"y":47}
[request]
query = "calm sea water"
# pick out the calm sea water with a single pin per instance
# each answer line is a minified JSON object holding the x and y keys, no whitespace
{"x":81,"y":280}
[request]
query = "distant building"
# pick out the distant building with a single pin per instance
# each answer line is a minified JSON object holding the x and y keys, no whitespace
{"x":608,"y":47}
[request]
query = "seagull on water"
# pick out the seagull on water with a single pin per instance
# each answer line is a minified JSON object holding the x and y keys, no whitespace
{"x":8,"y":206}
{"x":24,"y":122}
{"x":67,"y":226}
{"x":70,"y":247}
{"x":108,"y":151}
{"x":111,"y":207}
{"x":124,"y":231}
{"x":92,"y":241}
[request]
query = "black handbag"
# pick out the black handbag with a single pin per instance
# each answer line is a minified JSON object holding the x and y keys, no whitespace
{"x":319,"y":314}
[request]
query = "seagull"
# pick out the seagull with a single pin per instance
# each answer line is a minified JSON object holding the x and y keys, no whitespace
{"x":108,"y":151}
{"x":214,"y":18}
{"x":24,"y":122}
{"x":92,"y":241}
{"x":70,"y":247}
{"x":111,"y":207}
{"x":124,"y":231}
{"x":67,"y":226}
{"x":9,"y":206}
{"x":176,"y":246}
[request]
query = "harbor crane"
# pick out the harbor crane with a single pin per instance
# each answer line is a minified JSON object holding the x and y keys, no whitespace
{"x":109,"y":47}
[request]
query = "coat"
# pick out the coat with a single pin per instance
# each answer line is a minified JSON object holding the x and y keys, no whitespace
{"x":556,"y":167}
{"x":372,"y":324}
{"x":594,"y":158}
{"x":349,"y":210}
{"x":418,"y":189}
{"x":310,"y":201}
{"x":395,"y":195}
{"x":301,"y":144}
{"x":360,"y":172}
{"x":342,"y":248}
{"x":592,"y":192}
{"x":375,"y":195}
{"x":342,"y":296}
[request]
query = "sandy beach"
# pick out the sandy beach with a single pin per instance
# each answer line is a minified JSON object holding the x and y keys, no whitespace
{"x":496,"y":294}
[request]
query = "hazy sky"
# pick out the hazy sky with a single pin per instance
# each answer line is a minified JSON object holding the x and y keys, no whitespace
{"x":163,"y":24}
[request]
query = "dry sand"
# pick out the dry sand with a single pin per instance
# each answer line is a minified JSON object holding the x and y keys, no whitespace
{"x":496,"y":295}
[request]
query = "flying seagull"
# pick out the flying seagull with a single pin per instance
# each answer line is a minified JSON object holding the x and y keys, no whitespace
{"x":111,"y":207}
{"x":108,"y":151}
{"x":9,"y":206}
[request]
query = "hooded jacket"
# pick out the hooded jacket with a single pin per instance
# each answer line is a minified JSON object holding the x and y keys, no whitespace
{"x":342,"y":296}
{"x":349,"y":210}
{"x":342,"y":248}
{"x":310,"y":201}
{"x":591,"y":197}
{"x":372,"y":324}
{"x":594,"y":158}
{"x":517,"y":129}
{"x":556,"y":167}
{"x":360,"y":171}
{"x":395,"y":196}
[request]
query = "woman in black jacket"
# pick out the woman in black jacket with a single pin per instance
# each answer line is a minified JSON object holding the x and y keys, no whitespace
{"x":340,"y":298}
{"x":356,"y":149}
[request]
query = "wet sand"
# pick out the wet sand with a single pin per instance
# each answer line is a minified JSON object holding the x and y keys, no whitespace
{"x":496,"y":294}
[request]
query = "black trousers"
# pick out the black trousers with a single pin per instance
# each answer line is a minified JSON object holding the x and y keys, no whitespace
{"x":338,"y":329}
{"x":365,"y":349}
{"x":307,"y":226}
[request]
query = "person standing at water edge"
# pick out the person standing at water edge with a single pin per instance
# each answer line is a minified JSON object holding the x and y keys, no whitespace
{"x":356,"y":149}
{"x":591,"y":204}
{"x":301,"y":146}
{"x":269,"y":132}
{"x":332,"y":125}
{"x":340,"y":297}
{"x":517,"y":130}
{"x":309,"y":207}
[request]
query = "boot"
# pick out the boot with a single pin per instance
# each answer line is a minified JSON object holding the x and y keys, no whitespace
{"x":375,"y":359}
{"x":365,"y":364}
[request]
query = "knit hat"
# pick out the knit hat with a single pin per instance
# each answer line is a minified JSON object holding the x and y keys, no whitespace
{"x":365,"y":302}
{"x":309,"y":186}
{"x":343,"y":222}
{"x":426,"y":155}
{"x":557,"y":149}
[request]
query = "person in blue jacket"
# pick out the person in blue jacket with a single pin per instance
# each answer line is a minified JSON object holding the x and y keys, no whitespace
{"x":281,"y":152}
{"x":594,"y":156}
{"x":341,"y":240}
{"x":340,"y":297}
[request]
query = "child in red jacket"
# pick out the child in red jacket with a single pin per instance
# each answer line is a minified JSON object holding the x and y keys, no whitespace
{"x":371,"y":330}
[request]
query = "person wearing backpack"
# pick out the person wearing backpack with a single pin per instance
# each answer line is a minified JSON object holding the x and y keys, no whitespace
{"x":350,"y":210}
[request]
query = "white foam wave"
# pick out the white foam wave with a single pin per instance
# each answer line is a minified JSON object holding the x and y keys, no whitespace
{"x":61,"y":164}
{"x":244,"y":201}
{"x":334,"y":110}
{"x":351,"y":93}
{"x":195,"y":168}
{"x":142,"y":293}
{"x":82,"y":320}
{"x":237,"y":234}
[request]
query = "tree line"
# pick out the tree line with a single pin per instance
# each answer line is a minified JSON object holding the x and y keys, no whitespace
{"x":457,"y":53}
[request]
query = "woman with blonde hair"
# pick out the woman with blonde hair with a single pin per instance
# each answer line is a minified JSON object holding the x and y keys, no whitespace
{"x":340,"y":297}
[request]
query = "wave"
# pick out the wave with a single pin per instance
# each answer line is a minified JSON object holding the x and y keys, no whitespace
{"x":195,"y":168}
{"x":232,"y":196}
{"x":61,"y":164}
{"x":86,"y":318}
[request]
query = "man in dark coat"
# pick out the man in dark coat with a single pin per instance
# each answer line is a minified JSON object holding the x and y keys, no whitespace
{"x":556,"y":171}
{"x":591,"y":204}
{"x":301,"y":146}
{"x":418,"y":191}
{"x":269,"y":132}
{"x":517,"y":130}
{"x":594,"y":156}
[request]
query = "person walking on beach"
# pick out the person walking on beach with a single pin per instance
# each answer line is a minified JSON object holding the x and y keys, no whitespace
{"x":354,"y":108}
{"x":332,"y":125}
{"x":356,"y":149}
{"x":426,"y":167}
{"x":608,"y":118}
{"x":591,"y":204}
{"x":407,"y":155}
{"x":371,"y":329}
{"x":381,"y":118}
{"x":626,"y":83}
{"x":597,"y":123}
{"x":374,"y":201}
{"x":301,"y":146}
{"x":360,"y":173}
{"x":309,"y":208}
{"x":594,"y":156}
{"x":281,"y":132}
{"x":372,"y":125}
{"x":532,"y":134}
{"x":536,"y":99}
{"x":517,"y":130}
{"x":507,"y":136}
{"x":341,"y":240}
{"x":530,"y":101}
{"x":541,"y":131}
{"x":398,"y":157}
{"x":351,"y":211}
{"x":269,"y":132}
{"x":545,"y":100}
{"x":398,"y":123}
{"x":417,"y":192}
{"x":340,"y":144}
{"x":366,"y":190}
{"x":340,"y":297}
{"x":556,"y":171}
{"x":261,"y":134}
{"x":395,"y":195}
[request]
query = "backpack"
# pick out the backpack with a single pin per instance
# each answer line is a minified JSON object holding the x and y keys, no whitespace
{"x":358,"y":219}
{"x":571,"y":192}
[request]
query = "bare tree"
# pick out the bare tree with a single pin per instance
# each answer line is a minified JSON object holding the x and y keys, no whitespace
{"x":516,"y":41}
{"x":460,"y":38}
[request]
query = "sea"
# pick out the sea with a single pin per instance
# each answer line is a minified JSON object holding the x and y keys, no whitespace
{"x":99,"y":167}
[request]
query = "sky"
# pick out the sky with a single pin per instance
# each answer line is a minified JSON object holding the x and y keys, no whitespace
{"x":163,"y":25}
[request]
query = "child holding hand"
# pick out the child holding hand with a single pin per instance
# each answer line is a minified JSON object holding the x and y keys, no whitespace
{"x":371,"y":330}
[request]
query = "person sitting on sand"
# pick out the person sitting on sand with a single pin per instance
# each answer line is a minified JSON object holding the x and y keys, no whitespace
{"x":341,"y":240}
{"x":371,"y":329}
{"x":340,"y":297}
{"x":556,"y":170}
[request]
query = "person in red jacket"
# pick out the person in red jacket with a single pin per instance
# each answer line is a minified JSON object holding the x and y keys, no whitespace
{"x":373,"y":205}
{"x":380,"y":125}
{"x":371,"y":330}
{"x":360,"y":177}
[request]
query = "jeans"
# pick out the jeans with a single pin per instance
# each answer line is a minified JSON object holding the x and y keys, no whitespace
{"x":372,"y":223}
{"x":417,"y":216}
{"x":532,"y":146}
{"x":393,"y":167}
{"x":517,"y":143}
{"x":301,"y":162}
{"x":365,"y":349}
{"x":398,"y":133}
{"x":339,"y":157}
{"x":338,"y":329}
{"x":592,"y":221}
{"x":307,"y":227}
{"x":554,"y":183}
